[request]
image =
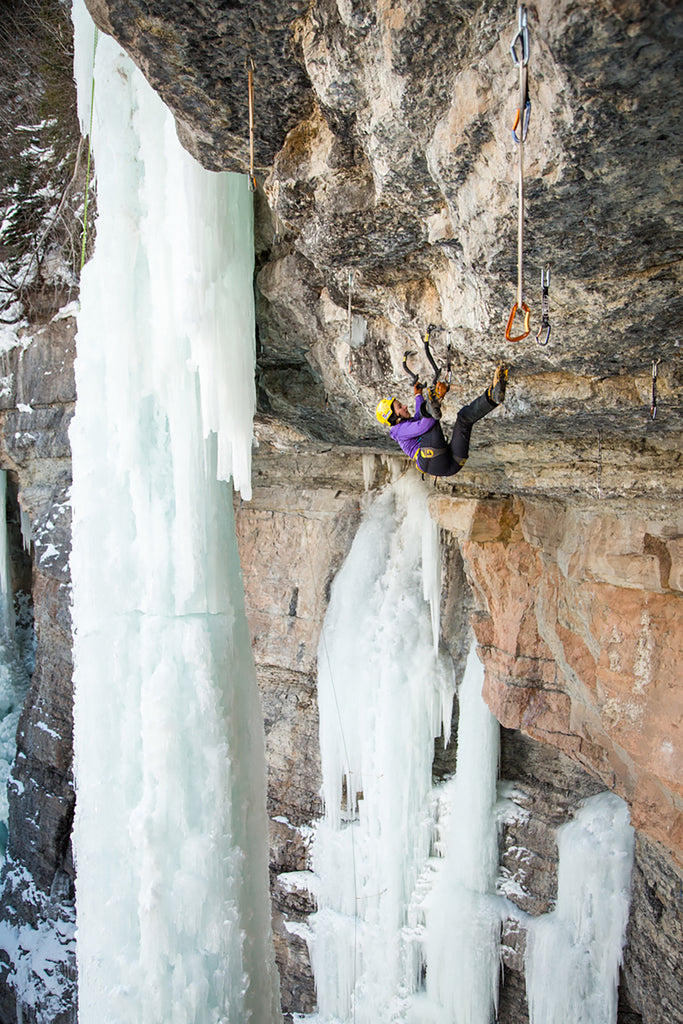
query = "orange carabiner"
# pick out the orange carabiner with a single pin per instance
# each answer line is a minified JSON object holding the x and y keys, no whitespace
{"x":527,"y":316}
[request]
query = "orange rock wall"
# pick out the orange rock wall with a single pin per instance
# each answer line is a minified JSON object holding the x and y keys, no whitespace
{"x":580,"y":627}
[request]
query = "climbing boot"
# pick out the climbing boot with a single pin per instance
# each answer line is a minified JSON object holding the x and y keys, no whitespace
{"x":496,"y":391}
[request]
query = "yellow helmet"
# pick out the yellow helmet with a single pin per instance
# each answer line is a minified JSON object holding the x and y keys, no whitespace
{"x":385,"y":410}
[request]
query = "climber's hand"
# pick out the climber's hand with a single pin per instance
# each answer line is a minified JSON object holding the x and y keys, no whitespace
{"x":417,"y":388}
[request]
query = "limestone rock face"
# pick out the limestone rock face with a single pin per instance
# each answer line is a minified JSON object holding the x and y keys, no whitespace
{"x":388,"y":184}
{"x":287,"y":537}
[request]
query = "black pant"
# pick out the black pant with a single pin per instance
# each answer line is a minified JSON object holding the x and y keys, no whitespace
{"x":438,"y":458}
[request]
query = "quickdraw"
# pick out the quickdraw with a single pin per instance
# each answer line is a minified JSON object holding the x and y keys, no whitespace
{"x":519,"y":134}
{"x":545,"y":309}
{"x":249,"y":63}
{"x":653,"y":406}
{"x":521,"y":60}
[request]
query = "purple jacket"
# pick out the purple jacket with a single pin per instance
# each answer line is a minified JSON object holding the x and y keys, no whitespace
{"x":408,"y":433}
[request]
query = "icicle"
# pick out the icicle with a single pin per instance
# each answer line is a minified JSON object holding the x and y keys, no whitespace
{"x":463,"y":915}
{"x":431,"y":574}
{"x":26,"y":529}
{"x":368,"y":471}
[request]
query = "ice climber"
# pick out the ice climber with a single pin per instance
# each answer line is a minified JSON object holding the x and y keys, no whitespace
{"x":421,"y":437}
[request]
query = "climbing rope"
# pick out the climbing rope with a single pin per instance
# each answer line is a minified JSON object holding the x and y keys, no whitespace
{"x":250,"y":86}
{"x":519,"y":134}
{"x":87,"y":166}
{"x":541,"y":337}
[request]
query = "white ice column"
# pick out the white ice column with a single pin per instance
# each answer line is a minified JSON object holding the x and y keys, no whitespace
{"x":171,"y":833}
{"x":463,"y":914}
{"x":574,"y":953}
{"x":384,"y":695}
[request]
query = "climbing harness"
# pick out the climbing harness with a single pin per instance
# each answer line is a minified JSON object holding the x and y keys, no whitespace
{"x":519,"y":134}
{"x":429,"y":453}
{"x":542,"y":338}
{"x":653,"y":405}
{"x":87,"y":168}
{"x":250,"y":85}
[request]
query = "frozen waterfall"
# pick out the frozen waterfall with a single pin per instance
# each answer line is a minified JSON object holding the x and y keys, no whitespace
{"x":385,"y":692}
{"x":170,"y":834}
{"x":408,"y":924}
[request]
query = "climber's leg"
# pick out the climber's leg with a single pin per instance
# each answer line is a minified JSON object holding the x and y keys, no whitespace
{"x":467,"y":417}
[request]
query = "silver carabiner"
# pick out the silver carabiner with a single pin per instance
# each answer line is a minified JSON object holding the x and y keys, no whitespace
{"x":523,"y":117}
{"x":523,"y":37}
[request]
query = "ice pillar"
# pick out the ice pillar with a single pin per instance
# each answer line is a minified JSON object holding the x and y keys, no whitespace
{"x":384,"y":693}
{"x":170,"y":834}
{"x":463,"y":914}
{"x":574,"y":953}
